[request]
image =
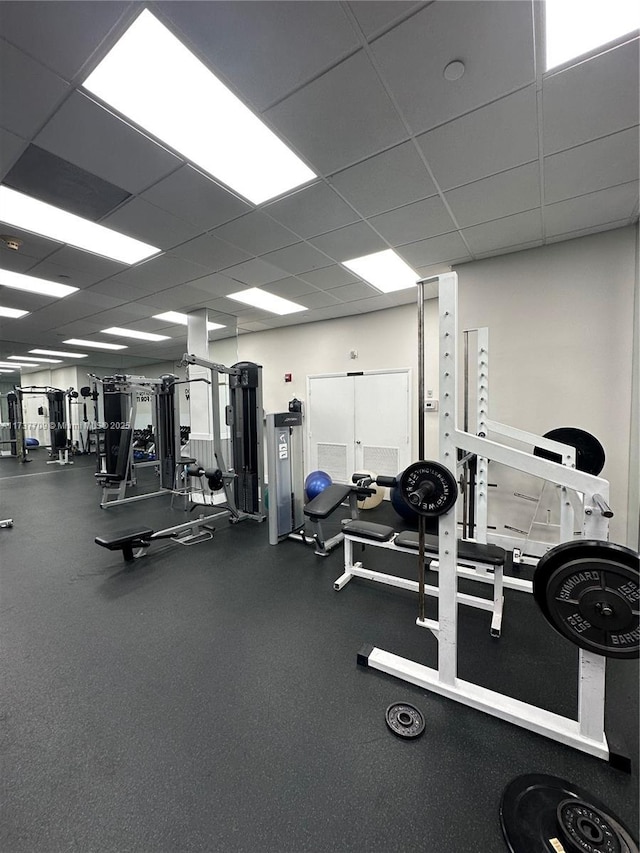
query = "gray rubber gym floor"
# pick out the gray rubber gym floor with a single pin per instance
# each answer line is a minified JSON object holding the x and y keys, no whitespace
{"x":209,"y":700}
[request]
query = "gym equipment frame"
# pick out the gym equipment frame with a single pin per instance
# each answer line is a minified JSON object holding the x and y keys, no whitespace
{"x":587,"y":733}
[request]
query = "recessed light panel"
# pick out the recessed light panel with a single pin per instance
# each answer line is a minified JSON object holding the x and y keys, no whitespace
{"x":14,"y":313}
{"x":153,"y":79}
{"x":31,"y":284}
{"x":574,"y":27}
{"x":78,"y":342}
{"x":62,"y":354}
{"x":385,"y":270}
{"x":267,"y":301}
{"x":129,"y":333}
{"x":182,"y":320}
{"x":38,"y":217}
{"x":15,"y":364}
{"x":37,"y":360}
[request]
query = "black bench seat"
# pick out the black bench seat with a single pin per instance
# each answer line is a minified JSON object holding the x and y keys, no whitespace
{"x":126,"y":541}
{"x":327,"y":501}
{"x":492,"y":555}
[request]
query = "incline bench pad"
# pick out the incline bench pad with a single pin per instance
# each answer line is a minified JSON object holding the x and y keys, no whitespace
{"x":492,"y":555}
{"x":327,"y":501}
{"x":124,"y":537}
{"x":369,"y":530}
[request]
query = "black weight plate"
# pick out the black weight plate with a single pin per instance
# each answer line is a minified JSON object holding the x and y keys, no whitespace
{"x":585,"y":828}
{"x":590,"y":455}
{"x":428,"y":488}
{"x":588,"y":591}
{"x":528,"y":814}
{"x":405,"y":720}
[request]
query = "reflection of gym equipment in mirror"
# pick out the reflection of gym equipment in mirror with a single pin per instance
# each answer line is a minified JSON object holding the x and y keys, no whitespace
{"x":240,"y":484}
{"x":543,"y":519}
{"x":587,"y":588}
{"x":289,"y":511}
{"x":57,"y":421}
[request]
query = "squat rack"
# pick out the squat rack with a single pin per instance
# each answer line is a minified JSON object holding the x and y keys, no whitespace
{"x":587,"y":733}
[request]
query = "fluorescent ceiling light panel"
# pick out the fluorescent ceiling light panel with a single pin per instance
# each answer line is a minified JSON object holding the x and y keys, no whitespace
{"x":31,"y":284}
{"x":575,"y":27}
{"x":14,"y":313}
{"x":37,"y":360}
{"x":129,"y":333}
{"x":153,"y":79}
{"x":38,"y":217}
{"x":55,"y":352}
{"x":182,"y":320}
{"x":5,"y":370}
{"x":17,"y":364}
{"x":77,"y":342}
{"x":267,"y":301}
{"x":385,"y":270}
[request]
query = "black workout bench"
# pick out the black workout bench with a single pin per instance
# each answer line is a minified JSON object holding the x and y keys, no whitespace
{"x":324,"y":505}
{"x":484,"y":563}
{"x":126,"y":541}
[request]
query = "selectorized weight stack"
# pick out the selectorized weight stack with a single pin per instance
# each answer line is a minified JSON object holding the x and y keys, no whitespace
{"x":286,"y":475}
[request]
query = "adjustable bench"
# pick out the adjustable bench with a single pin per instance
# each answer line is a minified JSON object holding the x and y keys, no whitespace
{"x":477,"y":562}
{"x":325,"y":504}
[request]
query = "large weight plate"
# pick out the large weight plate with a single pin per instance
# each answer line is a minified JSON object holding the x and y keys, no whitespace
{"x":405,"y":720}
{"x":589,"y":591}
{"x":589,"y":452}
{"x":428,"y":488}
{"x":529,"y":816}
{"x":585,"y":828}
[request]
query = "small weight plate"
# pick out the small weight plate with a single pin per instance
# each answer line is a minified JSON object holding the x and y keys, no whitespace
{"x":588,"y":591}
{"x":529,"y":815}
{"x":428,"y":488}
{"x":590,"y":455}
{"x":585,"y":829}
{"x":405,"y":720}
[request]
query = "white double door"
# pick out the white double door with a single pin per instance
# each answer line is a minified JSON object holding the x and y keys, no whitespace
{"x":359,"y":422}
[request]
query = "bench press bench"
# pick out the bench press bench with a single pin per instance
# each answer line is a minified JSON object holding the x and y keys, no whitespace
{"x":324,"y":505}
{"x":478,"y":562}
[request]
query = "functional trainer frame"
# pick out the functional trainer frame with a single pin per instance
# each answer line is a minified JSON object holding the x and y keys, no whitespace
{"x":587,"y":733}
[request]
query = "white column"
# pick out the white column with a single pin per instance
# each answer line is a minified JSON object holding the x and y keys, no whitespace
{"x":200,"y":393}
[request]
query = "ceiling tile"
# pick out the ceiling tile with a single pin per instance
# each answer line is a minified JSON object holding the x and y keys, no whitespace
{"x":159,"y":273}
{"x":510,"y":231}
{"x":495,"y":39}
{"x":61,"y":35}
{"x":435,"y":250}
{"x":95,"y":139}
{"x":497,"y":196}
{"x":329,"y":277}
{"x":66,"y":275}
{"x":585,"y":232}
{"x":192,"y":196}
{"x":377,"y":16}
{"x":386,"y":181}
{"x":254,"y":272}
{"x":413,"y":222}
{"x":353,"y":292}
{"x":591,"y":99}
{"x":590,"y":210}
{"x":506,"y":250}
{"x":214,"y":286}
{"x":93,"y":266}
{"x":317,"y":299}
{"x":15,"y":261}
{"x":305,"y":38}
{"x":28,"y":92}
{"x":342,"y":117}
{"x":298,"y":258}
{"x":375,"y":303}
{"x":256,"y":233}
{"x":138,"y":218}
{"x":210,"y":252}
{"x":177,"y":299}
{"x":33,"y":246}
{"x":350,"y":242}
{"x":492,"y":139}
{"x":593,"y":166}
{"x":290,"y":288}
{"x":312,"y":210}
{"x":11,"y":147}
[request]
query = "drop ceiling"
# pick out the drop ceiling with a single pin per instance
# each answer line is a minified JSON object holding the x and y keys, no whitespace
{"x":444,"y":172}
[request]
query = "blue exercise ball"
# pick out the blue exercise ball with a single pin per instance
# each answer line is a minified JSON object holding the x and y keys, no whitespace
{"x":32,"y":442}
{"x":316,"y":482}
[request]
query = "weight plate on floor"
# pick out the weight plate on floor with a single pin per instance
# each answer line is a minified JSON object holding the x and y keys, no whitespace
{"x":404,"y":720}
{"x":589,"y":591}
{"x":584,"y":828}
{"x":428,"y":488}
{"x":529,"y":816}
{"x":589,"y":452}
